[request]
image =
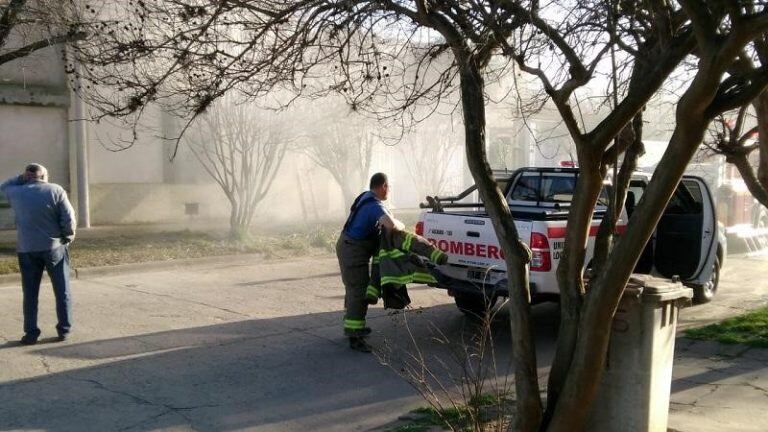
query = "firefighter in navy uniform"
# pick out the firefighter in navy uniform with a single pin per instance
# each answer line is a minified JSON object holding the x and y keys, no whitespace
{"x":358,"y":242}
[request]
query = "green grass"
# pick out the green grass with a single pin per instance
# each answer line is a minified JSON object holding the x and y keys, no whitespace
{"x":164,"y":246}
{"x":458,"y":417}
{"x":431,"y":417}
{"x":749,"y":329}
{"x":448,"y":416}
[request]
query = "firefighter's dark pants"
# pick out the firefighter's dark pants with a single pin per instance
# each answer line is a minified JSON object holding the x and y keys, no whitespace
{"x":354,"y":262}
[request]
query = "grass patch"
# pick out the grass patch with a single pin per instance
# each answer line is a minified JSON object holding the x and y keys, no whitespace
{"x":428,"y":417}
{"x":8,"y":265}
{"x":136,"y":247}
{"x":749,"y":329}
{"x":446,"y":417}
{"x":113,"y":249}
{"x":458,"y":418}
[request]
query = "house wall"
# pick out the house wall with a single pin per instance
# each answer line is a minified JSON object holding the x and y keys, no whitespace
{"x":34,"y":134}
{"x":33,"y":118}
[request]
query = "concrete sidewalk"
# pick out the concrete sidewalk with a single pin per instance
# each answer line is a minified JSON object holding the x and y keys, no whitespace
{"x":718,"y":388}
{"x":248,"y":344}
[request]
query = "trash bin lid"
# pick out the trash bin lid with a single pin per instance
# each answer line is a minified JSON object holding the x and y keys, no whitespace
{"x":660,"y":289}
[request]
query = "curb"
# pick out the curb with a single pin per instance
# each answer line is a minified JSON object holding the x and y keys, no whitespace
{"x":92,"y":272}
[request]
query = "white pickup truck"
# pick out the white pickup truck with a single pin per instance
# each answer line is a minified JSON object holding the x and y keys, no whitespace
{"x":688,"y":242}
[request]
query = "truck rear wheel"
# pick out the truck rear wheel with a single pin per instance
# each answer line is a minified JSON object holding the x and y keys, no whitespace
{"x":474,"y":305}
{"x":706,"y":292}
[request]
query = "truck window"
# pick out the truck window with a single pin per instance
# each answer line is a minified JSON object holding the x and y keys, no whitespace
{"x":687,"y":199}
{"x":558,"y":189}
{"x":503,"y":184}
{"x":638,"y":189}
{"x":695,"y":190}
{"x":526,"y":188}
{"x":603,"y":199}
{"x":546,"y":187}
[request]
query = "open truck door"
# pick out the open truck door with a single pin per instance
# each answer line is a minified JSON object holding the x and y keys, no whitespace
{"x":685,"y":243}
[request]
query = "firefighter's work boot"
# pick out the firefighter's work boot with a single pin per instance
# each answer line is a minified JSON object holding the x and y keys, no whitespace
{"x":365,"y":331}
{"x":359,"y":344}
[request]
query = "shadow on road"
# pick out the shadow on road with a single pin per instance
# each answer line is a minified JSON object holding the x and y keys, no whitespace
{"x":293,"y":370}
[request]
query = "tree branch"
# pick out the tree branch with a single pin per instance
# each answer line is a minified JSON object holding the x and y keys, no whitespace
{"x":8,"y":19}
{"x":43,"y":43}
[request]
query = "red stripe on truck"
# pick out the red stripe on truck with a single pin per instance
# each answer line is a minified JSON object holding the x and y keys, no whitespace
{"x":556,"y":232}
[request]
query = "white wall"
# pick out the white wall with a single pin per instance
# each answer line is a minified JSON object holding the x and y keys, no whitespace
{"x":34,"y":134}
{"x":43,"y":68}
{"x":115,"y":158}
{"x":33,"y":117}
{"x":124,"y":203}
{"x":301,"y":193}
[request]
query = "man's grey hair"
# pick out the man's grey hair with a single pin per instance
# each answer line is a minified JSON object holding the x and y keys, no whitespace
{"x":38,"y":171}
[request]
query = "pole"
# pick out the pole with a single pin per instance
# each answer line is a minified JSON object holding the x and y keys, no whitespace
{"x":78,"y":137}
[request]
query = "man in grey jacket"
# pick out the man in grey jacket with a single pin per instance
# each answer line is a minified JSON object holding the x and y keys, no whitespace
{"x":45,"y":225}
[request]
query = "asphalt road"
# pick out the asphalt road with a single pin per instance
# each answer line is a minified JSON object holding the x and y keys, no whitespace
{"x":249,"y":345}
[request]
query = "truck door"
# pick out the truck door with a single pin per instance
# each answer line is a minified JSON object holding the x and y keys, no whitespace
{"x":686,"y":232}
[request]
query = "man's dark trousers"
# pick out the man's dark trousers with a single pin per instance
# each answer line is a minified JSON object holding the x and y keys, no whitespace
{"x":56,"y":263}
{"x":354,"y":259}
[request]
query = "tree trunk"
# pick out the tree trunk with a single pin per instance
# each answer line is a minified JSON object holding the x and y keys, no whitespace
{"x":238,"y":227}
{"x":761,"y":109}
{"x":747,"y":172}
{"x":605,"y":235}
{"x":517,"y":254}
{"x":348,"y":194}
{"x":570,"y":271}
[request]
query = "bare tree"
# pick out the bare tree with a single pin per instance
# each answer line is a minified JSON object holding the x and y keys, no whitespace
{"x":341,"y":142}
{"x":241,"y":147}
{"x":392,"y":57}
{"x":742,"y":137}
{"x":428,"y":153}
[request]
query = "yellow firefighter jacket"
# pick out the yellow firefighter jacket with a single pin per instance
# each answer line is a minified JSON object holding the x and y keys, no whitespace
{"x":400,"y":261}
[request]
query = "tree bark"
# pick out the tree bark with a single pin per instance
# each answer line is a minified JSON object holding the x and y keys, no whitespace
{"x":517,"y":254}
{"x":570,"y":271}
{"x":607,"y":230}
{"x":761,"y":184}
{"x":234,"y":221}
{"x":747,"y":172}
{"x":349,"y":196}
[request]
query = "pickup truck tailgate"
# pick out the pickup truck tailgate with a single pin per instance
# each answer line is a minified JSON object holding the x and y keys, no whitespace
{"x":469,"y":240}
